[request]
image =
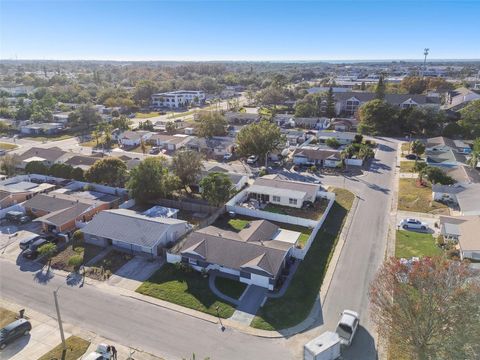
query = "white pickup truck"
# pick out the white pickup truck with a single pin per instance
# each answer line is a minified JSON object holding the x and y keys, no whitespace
{"x":101,"y":353}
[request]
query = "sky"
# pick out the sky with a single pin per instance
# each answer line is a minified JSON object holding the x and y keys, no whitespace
{"x":239,"y":30}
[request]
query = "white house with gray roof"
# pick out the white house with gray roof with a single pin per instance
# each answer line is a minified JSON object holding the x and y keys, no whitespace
{"x":129,"y":230}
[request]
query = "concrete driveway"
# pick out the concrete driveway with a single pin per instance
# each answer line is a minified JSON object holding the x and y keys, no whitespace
{"x":131,"y":275}
{"x":429,"y":219}
{"x":42,"y":338}
{"x":9,"y":244}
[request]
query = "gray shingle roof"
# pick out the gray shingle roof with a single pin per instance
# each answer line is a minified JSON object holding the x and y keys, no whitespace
{"x":129,"y":227}
{"x":49,"y":154}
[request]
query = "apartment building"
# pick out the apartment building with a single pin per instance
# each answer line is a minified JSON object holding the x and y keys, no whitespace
{"x":178,"y":99}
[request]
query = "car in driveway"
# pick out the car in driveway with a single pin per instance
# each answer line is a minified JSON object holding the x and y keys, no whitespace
{"x":25,"y":243}
{"x":412,"y":157}
{"x":413,"y":224}
{"x":227,"y":156}
{"x":347,"y":326}
{"x":252,"y":159}
{"x":32,"y":251}
{"x":13,"y":331}
{"x":154,"y":150}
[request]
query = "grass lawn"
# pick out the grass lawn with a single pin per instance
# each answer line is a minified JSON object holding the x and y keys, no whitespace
{"x":230,"y":287}
{"x":101,"y":140}
{"x":295,"y":305}
{"x":411,"y":243}
{"x":418,"y":199}
{"x":140,"y":115}
{"x":407,"y":166}
{"x":189,"y":289}
{"x":110,"y":264}
{"x":57,"y":137}
{"x":6,"y":317}
{"x":405,"y":147}
{"x":7,"y":146}
{"x":76,"y":347}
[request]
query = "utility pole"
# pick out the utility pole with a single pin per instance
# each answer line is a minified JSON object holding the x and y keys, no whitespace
{"x":425,"y":52}
{"x":62,"y":335}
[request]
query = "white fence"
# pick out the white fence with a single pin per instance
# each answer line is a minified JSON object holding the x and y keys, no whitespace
{"x":293,"y":220}
{"x":354,"y":162}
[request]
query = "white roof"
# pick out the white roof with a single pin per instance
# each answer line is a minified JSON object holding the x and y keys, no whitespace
{"x":260,"y":189}
{"x":287,"y":236}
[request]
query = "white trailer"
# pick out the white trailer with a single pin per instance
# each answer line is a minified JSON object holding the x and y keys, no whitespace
{"x":324,"y":347}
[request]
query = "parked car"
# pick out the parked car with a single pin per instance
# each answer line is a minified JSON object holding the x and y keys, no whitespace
{"x":413,"y":224}
{"x":25,"y":243}
{"x":14,"y":330}
{"x":17,"y":217}
{"x":347,"y":326}
{"x":227,"y":156}
{"x":252,"y":159}
{"x":154,"y":150}
{"x":412,"y":157}
{"x":32,"y":251}
{"x":101,"y":353}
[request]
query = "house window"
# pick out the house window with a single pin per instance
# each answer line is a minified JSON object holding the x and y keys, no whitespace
{"x":292,"y":201}
{"x":245,"y":275}
{"x":276,"y":198}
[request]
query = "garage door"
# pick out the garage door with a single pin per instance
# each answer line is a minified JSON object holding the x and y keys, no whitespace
{"x":259,"y":280}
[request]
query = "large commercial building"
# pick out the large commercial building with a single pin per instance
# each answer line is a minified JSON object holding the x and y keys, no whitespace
{"x":178,"y":99}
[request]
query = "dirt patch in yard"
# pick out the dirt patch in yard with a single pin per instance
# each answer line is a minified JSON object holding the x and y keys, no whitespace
{"x":109,"y":265}
{"x":60,"y":260}
{"x":314,"y":213}
{"x":6,"y":317}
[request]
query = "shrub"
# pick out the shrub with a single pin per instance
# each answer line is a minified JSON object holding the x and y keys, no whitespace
{"x":75,"y":261}
{"x":313,"y":169}
{"x":262,"y":172}
{"x":453,"y":254}
{"x":440,"y":241}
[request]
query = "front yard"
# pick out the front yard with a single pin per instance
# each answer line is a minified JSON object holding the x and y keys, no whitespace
{"x":186,"y":288}
{"x":76,"y":347}
{"x":407,"y":166}
{"x":230,"y":287}
{"x":7,"y":146}
{"x":6,"y":317}
{"x":297,"y":302}
{"x":418,"y":198}
{"x":61,"y":260}
{"x":110,"y":264}
{"x":410,"y":244}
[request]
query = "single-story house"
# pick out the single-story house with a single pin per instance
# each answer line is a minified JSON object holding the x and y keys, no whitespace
{"x":48,"y":156}
{"x":12,"y":193}
{"x":42,"y":129}
{"x":241,"y":118}
{"x":344,"y":138}
{"x":295,"y":137}
{"x":255,"y":255}
{"x":344,"y":124}
{"x":441,"y":143}
{"x":459,"y":98}
{"x":317,"y":156}
{"x":215,"y":146}
{"x":275,"y":190}
{"x":311,"y":122}
{"x":135,"y":232}
{"x":63,"y":212}
{"x":61,"y":117}
{"x":463,"y":230}
{"x":82,"y":161}
{"x":168,"y":142}
{"x":466,"y":196}
{"x":134,"y":138}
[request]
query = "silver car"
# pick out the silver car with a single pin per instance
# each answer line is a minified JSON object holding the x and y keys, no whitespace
{"x":347,"y":326}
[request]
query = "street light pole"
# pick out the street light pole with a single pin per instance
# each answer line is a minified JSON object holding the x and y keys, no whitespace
{"x":62,"y":335}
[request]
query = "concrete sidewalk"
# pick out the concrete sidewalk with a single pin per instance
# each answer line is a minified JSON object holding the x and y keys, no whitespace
{"x":45,"y":336}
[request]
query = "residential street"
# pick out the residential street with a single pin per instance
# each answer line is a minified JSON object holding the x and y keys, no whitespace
{"x":172,"y":335}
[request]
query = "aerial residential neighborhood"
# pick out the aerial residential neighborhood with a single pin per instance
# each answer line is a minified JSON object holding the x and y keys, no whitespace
{"x":239,"y":180}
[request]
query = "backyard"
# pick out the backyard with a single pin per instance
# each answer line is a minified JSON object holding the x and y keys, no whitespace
{"x":418,"y":198}
{"x":314,"y":213}
{"x":188,"y":288}
{"x":76,"y":347}
{"x":295,"y":305}
{"x":410,"y":244}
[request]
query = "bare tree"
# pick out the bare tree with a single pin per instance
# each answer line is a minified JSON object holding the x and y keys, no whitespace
{"x":429,"y":309}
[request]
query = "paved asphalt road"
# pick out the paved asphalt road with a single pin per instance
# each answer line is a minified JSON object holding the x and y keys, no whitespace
{"x":167,"y":333}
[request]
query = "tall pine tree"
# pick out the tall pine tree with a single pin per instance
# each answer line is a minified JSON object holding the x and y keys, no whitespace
{"x":330,"y":110}
{"x":380,"y":90}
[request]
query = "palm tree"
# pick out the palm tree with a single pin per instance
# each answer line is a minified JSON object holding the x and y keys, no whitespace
{"x":473,"y":161}
{"x":96,"y":135}
{"x":143,"y":147}
{"x":418,"y":148}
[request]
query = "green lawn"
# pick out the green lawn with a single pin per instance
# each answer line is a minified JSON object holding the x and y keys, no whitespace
{"x":50,"y":137}
{"x":189,"y":289}
{"x":7,"y":146}
{"x":407,"y":166}
{"x":230,"y":287}
{"x":6,"y":317}
{"x":140,"y":115}
{"x":405,"y":147}
{"x":418,"y":198}
{"x":295,"y":305}
{"x":411,"y":243}
{"x":76,"y":347}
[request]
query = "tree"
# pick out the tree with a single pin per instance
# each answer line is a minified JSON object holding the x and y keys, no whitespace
{"x":271,"y":96}
{"x":333,"y":143}
{"x":121,"y":123}
{"x":77,"y":239}
{"x":475,"y":156}
{"x":8,"y":164}
{"x":429,"y":309}
{"x":358,"y":138}
{"x":211,"y":123}
{"x":304,"y":110}
{"x":330,"y":109}
{"x":378,"y":118}
{"x":61,"y":170}
{"x":143,"y":146}
{"x":170,"y":127}
{"x":187,"y":165}
{"x":109,"y":171}
{"x":37,"y":167}
{"x":47,"y":250}
{"x":78,"y":174}
{"x":470,"y":119}
{"x":418,"y":148}
{"x":151,"y":180}
{"x":216,"y":188}
{"x":413,"y":84}
{"x":96,"y":135}
{"x":435,"y":175}
{"x":143,"y":92}
{"x":85,"y":115}
{"x":380,"y":89}
{"x":259,"y":139}
{"x":75,"y":261}
{"x":365,"y":152}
